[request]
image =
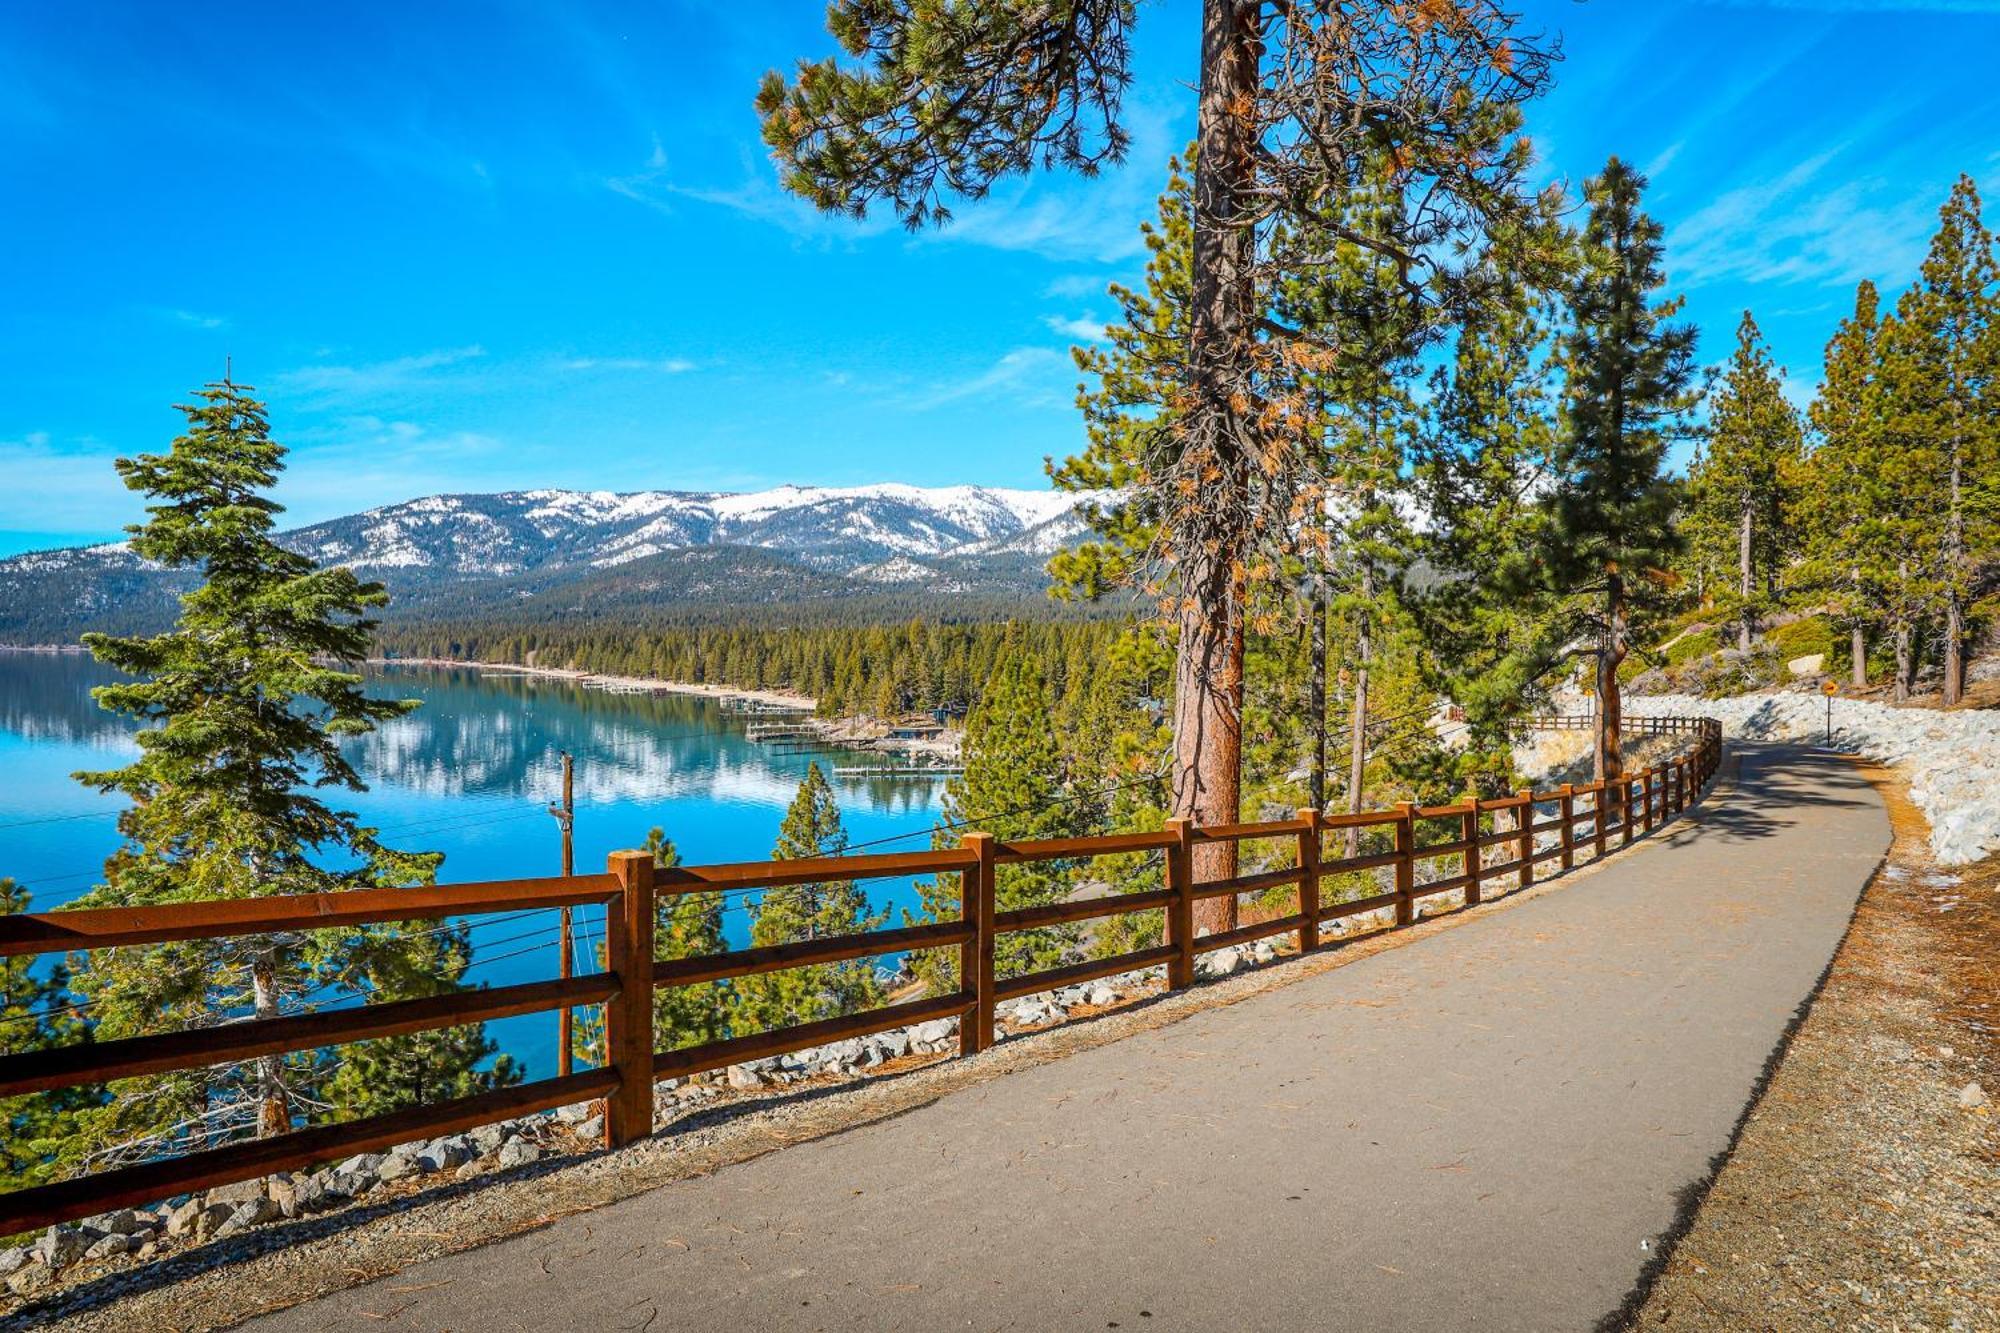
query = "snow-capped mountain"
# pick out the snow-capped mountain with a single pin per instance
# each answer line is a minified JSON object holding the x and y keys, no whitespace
{"x":506,"y":548}
{"x":833,"y":528}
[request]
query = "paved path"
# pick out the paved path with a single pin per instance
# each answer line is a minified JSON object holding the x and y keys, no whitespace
{"x":1484,"y":1129}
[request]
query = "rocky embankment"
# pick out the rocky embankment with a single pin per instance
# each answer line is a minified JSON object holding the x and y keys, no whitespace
{"x":1951,"y":759}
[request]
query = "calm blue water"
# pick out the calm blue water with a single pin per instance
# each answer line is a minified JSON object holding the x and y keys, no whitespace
{"x":469,"y":774}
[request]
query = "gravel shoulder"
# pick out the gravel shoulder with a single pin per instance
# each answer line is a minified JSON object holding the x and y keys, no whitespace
{"x":1863,"y":1191}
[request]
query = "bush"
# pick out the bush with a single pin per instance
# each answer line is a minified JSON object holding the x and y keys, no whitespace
{"x":1803,"y":638}
{"x":1701,"y":643}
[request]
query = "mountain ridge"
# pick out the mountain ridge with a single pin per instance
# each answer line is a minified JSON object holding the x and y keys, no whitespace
{"x":600,"y":552}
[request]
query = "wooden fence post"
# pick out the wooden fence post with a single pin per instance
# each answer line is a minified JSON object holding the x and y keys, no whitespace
{"x":1567,"y":794}
{"x":1475,"y":855}
{"x":1524,"y":820}
{"x":1649,"y":779}
{"x":1406,"y":862}
{"x":628,"y":1016}
{"x":975,"y":965}
{"x":1625,"y":809}
{"x":1309,"y":856}
{"x":1180,"y":912}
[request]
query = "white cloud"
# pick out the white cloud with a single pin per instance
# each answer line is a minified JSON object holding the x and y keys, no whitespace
{"x":193,"y":319}
{"x":1025,"y":369}
{"x":1082,"y":328}
{"x":62,"y":489}
{"x":374,"y":378}
{"x":1796,"y":228}
{"x":671,"y":365}
{"x":1077,"y":284}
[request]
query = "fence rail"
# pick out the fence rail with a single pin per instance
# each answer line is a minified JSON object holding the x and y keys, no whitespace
{"x":631,"y":887}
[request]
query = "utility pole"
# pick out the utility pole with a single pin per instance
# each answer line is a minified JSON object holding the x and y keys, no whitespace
{"x":565,"y":815}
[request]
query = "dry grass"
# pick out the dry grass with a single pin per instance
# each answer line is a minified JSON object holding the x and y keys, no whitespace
{"x":1860,"y":1193}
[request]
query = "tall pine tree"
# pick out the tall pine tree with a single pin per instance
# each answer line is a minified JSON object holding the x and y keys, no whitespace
{"x":1610,"y":536}
{"x":35,"y":1016}
{"x":1014,"y":786}
{"x":685,"y":925}
{"x":1847,"y":515}
{"x":1741,"y":486}
{"x":943,"y":100}
{"x":1947,"y":409}
{"x":1483,"y":471}
{"x":243,"y":708}
{"x":816,"y":910}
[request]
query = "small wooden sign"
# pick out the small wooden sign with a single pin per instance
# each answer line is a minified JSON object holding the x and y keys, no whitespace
{"x":1829,"y":687}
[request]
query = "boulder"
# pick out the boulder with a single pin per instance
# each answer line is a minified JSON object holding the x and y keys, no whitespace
{"x":517,"y":1151}
{"x":12,"y":1260}
{"x":111,"y":1246}
{"x":181,"y":1220}
{"x":250,"y":1213}
{"x":64,"y":1245}
{"x":938,"y":1029}
{"x":1100,"y":996}
{"x":124,"y":1222}
{"x":591,"y":1130}
{"x":398,"y":1165}
{"x":488,"y":1138}
{"x":352,"y":1184}
{"x":1221,"y":963}
{"x":896,"y":1043}
{"x":1812,"y":664}
{"x":211,"y":1218}
{"x":359,"y":1163}
{"x":241,"y":1192}
{"x":283,"y":1188}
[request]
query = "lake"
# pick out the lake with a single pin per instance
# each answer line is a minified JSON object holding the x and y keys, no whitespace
{"x":471,"y":774}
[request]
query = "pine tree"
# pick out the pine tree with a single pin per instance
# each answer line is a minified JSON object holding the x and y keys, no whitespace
{"x":1013,"y":786}
{"x":1947,"y":409}
{"x":685,"y":925}
{"x":1610,"y":534}
{"x":943,"y":100}
{"x":1740,"y":489}
{"x":245,"y":703}
{"x":816,"y":910}
{"x":1485,"y":463}
{"x":391,"y":1073}
{"x":1356,"y":542}
{"x":34,"y":1016}
{"x":1846,"y":512}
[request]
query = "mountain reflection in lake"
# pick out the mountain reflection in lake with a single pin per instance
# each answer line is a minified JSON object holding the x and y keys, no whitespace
{"x":471,"y":773}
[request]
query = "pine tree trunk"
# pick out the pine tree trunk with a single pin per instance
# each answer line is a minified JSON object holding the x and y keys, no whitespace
{"x":1357,"y":726}
{"x":1610,"y":706}
{"x":1857,"y":648}
{"x":1208,"y":666}
{"x":274,"y":1111}
{"x":1954,"y":603}
{"x":1316,"y":693}
{"x":1745,"y":583}
{"x":1905,"y":667}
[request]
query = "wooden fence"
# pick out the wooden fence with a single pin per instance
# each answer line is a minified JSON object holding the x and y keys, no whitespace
{"x":631,"y":885}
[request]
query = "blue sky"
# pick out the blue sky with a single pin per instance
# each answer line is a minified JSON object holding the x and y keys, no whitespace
{"x":484,"y":246}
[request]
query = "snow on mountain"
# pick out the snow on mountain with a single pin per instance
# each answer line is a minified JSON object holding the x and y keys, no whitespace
{"x":841,"y":528}
{"x":889,"y":533}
